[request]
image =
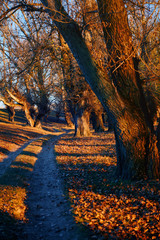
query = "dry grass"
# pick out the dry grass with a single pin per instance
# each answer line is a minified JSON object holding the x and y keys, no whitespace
{"x":13,"y":184}
{"x":13,"y":136}
{"x":109,"y":207}
{"x":14,"y":181}
{"x":13,"y":187}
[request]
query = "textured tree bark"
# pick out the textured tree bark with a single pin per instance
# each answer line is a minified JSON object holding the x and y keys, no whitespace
{"x":28,"y":114}
{"x":28,"y":109}
{"x":10,"y":106}
{"x":142,"y":158}
{"x":68,"y":115}
{"x":97,"y":121}
{"x":122,"y":94}
{"x":11,"y":113}
{"x":78,"y":106}
{"x":82,"y":128}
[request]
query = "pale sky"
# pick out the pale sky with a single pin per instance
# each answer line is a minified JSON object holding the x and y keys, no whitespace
{"x":1,"y":104}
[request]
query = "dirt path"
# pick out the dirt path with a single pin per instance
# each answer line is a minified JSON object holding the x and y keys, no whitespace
{"x":48,"y":211}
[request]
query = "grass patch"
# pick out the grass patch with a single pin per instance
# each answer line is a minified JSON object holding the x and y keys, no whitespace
{"x":15,"y":135}
{"x":13,"y":189}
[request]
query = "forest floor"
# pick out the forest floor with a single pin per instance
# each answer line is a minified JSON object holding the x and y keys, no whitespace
{"x":54,"y":186}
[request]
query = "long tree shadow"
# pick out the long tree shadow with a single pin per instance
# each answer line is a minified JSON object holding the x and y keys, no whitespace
{"x":103,"y":203}
{"x":12,"y":155}
{"x":8,"y":224}
{"x":13,"y":191}
{"x":4,"y":150}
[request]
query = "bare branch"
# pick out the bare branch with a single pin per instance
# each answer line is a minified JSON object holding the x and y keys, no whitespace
{"x":26,"y":7}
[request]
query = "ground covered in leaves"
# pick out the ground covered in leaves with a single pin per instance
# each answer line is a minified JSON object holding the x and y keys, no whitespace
{"x":111,"y":208}
{"x":108,"y":207}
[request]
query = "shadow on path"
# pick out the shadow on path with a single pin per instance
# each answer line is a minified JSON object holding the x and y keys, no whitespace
{"x":49,"y":215}
{"x":7,"y":161}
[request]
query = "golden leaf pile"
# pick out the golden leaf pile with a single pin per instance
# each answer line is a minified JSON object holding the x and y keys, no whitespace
{"x":107,"y":206}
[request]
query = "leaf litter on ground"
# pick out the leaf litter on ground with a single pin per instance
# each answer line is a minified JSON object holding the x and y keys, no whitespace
{"x":108,"y":206}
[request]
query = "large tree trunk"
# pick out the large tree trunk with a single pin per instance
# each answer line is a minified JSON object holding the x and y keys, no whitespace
{"x":82,"y":128}
{"x":141,"y":153}
{"x":123,"y":95}
{"x":42,"y":111}
{"x":68,"y":115}
{"x":11,"y":113}
{"x":28,"y":114}
{"x":136,"y":152}
{"x":81,"y":117}
{"x":97,"y":121}
{"x":37,"y":122}
{"x":110,"y":123}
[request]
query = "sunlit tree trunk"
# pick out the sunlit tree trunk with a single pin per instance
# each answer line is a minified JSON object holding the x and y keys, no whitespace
{"x":78,"y":105}
{"x":28,"y":109}
{"x":122,"y":94}
{"x":28,"y":114}
{"x":11,"y":113}
{"x":81,"y":117}
{"x":142,"y":158}
{"x":10,"y":106}
{"x":42,"y":103}
{"x":82,"y":128}
{"x":68,"y":115}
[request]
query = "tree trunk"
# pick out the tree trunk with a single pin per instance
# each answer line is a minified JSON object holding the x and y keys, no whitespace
{"x":42,"y":111}
{"x":82,"y":124}
{"x":37,"y":122}
{"x":68,"y":115}
{"x":28,"y":115}
{"x":11,"y":113}
{"x":122,"y":94}
{"x":28,"y":109}
{"x":97,"y":121}
{"x":110,"y":123}
{"x":68,"y":119}
{"x":141,"y":153}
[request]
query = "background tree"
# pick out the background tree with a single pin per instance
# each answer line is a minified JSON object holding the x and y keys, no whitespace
{"x":31,"y":62}
{"x":80,"y":98}
{"x":119,"y":86}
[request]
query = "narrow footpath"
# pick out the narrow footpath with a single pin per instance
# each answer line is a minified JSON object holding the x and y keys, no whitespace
{"x":48,"y":212}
